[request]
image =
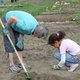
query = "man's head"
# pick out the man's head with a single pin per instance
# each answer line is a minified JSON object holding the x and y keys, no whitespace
{"x":41,"y":32}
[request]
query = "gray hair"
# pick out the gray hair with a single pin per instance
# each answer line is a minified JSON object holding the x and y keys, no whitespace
{"x":43,"y":31}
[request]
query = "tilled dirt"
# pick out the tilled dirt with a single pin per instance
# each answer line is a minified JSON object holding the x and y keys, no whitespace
{"x":40,"y":56}
{"x":38,"y":53}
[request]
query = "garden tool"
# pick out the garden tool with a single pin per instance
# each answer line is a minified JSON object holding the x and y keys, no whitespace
{"x":25,"y":70}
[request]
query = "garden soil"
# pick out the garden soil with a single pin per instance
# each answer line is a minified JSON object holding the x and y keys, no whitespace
{"x":40,"y":56}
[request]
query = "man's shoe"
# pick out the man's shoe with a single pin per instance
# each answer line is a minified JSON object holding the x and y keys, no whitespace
{"x":14,"y":68}
{"x":26,"y":65}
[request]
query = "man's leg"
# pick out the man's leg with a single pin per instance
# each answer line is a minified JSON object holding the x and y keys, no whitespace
{"x":11,"y":59}
{"x":11,"y":0}
{"x":20,"y":51}
{"x":20,"y":55}
{"x":8,"y":47}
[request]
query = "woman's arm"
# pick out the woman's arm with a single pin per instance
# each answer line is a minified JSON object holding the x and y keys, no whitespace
{"x":62,"y":61}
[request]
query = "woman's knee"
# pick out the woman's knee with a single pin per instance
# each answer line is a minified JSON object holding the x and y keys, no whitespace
{"x":57,"y":55}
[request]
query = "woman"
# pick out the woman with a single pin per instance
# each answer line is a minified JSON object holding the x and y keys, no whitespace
{"x":68,"y":51}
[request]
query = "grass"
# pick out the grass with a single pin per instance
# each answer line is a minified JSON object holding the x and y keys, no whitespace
{"x":73,"y":1}
{"x":34,"y":9}
{"x":31,"y":8}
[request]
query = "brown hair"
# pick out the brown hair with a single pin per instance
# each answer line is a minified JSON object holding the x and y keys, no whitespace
{"x":56,"y":37}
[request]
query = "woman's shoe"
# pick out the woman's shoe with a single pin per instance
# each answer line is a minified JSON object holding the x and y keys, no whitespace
{"x":73,"y":67}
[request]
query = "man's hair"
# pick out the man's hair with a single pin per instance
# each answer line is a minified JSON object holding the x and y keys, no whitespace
{"x":43,"y":31}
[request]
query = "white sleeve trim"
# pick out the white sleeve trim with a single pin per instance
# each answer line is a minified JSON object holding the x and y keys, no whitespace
{"x":62,"y":61}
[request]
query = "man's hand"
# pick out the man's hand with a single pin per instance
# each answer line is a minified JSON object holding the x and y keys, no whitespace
{"x":6,"y":31}
{"x":20,"y":43}
{"x":56,"y":67}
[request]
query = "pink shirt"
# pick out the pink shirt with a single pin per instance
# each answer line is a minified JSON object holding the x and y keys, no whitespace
{"x":68,"y":46}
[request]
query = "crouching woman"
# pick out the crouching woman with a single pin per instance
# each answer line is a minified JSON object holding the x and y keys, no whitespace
{"x":68,"y":51}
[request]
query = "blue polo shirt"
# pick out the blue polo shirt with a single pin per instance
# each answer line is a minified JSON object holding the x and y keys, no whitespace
{"x":26,"y":22}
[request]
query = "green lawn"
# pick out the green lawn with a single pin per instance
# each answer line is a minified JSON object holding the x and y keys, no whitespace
{"x":34,"y":9}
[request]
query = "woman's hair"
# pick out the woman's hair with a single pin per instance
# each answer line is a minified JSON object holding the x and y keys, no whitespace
{"x":56,"y":37}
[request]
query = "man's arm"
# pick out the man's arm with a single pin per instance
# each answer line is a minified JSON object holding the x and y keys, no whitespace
{"x":12,"y":20}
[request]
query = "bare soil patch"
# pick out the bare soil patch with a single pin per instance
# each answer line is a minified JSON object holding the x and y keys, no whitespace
{"x":40,"y":56}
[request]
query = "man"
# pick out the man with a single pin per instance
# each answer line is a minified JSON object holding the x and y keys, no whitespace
{"x":17,"y":24}
{"x":13,"y":1}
